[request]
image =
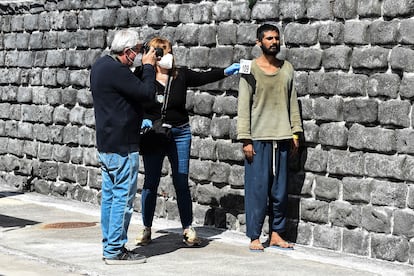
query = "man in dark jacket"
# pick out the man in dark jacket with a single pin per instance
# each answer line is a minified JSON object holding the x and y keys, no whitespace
{"x":117,"y":98}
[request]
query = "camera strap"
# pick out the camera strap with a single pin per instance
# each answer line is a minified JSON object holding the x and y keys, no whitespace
{"x":166,"y":96}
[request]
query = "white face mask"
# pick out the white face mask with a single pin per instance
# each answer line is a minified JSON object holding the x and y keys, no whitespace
{"x":137,"y":62}
{"x":166,"y":61}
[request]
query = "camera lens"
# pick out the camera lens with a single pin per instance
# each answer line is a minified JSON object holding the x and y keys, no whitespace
{"x":159,"y":52}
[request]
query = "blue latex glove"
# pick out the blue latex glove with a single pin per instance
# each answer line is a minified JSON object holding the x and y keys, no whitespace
{"x":146,"y":123}
{"x":232,"y":69}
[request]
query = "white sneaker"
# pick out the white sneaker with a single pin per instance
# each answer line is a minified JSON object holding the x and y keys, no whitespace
{"x":144,"y":237}
{"x":190,"y":237}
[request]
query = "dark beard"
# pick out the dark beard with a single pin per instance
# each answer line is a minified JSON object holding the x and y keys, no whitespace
{"x":268,"y":52}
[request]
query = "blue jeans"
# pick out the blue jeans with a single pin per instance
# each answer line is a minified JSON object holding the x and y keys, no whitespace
{"x":119,"y":186}
{"x":265,"y":189}
{"x":178,"y":153}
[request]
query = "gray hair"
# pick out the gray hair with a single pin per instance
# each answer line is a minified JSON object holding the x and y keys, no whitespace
{"x":124,"y":39}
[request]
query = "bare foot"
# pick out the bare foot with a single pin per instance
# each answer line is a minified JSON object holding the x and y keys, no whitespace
{"x":256,"y":245}
{"x":276,"y":240}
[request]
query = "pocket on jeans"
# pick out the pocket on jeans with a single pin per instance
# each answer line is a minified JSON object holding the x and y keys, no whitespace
{"x":109,"y":160}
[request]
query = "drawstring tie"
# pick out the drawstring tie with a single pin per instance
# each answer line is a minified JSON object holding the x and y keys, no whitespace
{"x":274,"y":147}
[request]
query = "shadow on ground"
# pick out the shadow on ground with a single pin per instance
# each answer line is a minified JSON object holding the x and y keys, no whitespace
{"x":170,"y":240}
{"x":9,"y":193}
{"x":7,"y":221}
{"x":12,"y":222}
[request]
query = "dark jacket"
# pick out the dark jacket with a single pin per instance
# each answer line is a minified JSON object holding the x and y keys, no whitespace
{"x":117,"y":99}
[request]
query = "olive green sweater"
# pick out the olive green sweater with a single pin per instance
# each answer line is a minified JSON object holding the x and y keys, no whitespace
{"x":271,"y":112}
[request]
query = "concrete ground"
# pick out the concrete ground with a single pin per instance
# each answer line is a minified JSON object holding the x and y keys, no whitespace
{"x":31,"y":245}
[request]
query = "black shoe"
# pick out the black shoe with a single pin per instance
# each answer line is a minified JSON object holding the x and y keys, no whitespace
{"x":126,"y":257}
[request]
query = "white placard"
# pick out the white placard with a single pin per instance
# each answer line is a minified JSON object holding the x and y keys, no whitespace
{"x":245,"y":66}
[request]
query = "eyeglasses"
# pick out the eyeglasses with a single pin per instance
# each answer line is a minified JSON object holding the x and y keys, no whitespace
{"x":135,"y":52}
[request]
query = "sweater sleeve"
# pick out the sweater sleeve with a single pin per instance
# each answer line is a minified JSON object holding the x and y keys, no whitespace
{"x":244,"y":110}
{"x":140,"y":89}
{"x":295,"y":118}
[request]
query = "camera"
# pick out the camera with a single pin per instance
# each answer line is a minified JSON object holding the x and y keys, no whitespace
{"x":159,"y":52}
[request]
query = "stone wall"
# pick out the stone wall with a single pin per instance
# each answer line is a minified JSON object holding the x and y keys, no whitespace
{"x":351,"y":187}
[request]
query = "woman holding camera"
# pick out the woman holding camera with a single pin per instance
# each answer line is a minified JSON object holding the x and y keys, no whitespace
{"x":171,"y":89}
